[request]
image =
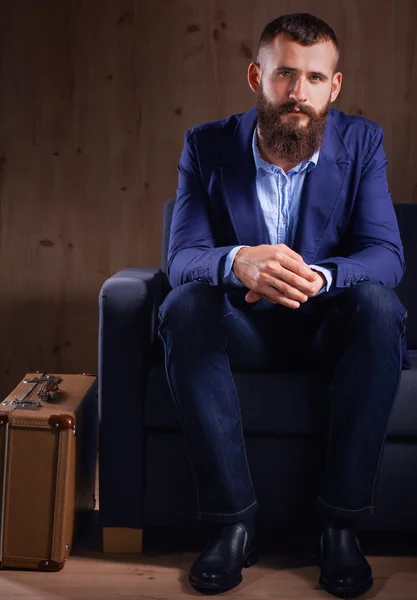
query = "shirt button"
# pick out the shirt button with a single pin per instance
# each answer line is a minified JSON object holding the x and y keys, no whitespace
{"x":285,"y":221}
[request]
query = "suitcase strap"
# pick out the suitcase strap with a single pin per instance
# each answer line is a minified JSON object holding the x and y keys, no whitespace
{"x":49,"y":384}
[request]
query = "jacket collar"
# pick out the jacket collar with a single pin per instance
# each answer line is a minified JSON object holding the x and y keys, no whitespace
{"x":321,"y":188}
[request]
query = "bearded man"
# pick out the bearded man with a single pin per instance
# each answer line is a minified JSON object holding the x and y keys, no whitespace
{"x":284,"y":254}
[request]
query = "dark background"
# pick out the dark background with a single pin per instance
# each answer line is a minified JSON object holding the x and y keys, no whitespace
{"x":95,"y":97}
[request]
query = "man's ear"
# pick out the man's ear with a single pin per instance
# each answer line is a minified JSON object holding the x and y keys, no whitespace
{"x":254,"y":76}
{"x":336,"y":85}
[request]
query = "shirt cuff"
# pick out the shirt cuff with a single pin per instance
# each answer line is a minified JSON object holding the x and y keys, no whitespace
{"x":328,"y":275}
{"x":228,"y":275}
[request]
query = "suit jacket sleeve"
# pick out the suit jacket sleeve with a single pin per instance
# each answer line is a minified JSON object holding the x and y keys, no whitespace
{"x":192,"y":255}
{"x":376,"y":252}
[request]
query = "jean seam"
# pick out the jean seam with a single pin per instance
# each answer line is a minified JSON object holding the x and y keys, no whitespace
{"x":329,"y":434}
{"x":240,"y":412}
{"x":244,"y":445}
{"x":243,"y":322}
{"x":247,"y":325}
{"x":392,"y":406}
{"x":202,"y":512}
{"x":372,"y":506}
{"x":179,"y":412}
{"x":239,"y":408}
{"x":346,"y":509}
{"x":180,"y":416}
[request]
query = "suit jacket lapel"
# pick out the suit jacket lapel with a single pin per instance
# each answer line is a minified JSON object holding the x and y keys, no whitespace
{"x":238,"y":175}
{"x":321,"y":191}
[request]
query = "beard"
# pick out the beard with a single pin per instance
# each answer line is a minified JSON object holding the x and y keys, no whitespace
{"x":290,"y":141}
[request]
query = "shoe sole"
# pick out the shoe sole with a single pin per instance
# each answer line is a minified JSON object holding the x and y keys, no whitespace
{"x":210,"y":589}
{"x":345,"y":592}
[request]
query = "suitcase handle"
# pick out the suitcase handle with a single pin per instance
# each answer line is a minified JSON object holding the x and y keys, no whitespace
{"x":49,"y":386}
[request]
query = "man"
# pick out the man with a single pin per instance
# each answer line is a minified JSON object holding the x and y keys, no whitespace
{"x":284,"y":251}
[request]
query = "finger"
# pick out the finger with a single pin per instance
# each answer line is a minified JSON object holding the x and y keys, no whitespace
{"x":275,"y":296}
{"x":284,"y":301}
{"x":287,"y":290}
{"x":296,"y":281}
{"x":290,"y":252}
{"x":290,"y":264}
{"x":252,"y":296}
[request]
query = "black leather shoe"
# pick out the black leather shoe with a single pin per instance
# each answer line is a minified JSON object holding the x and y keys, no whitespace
{"x":219,"y":567}
{"x":345,"y":572}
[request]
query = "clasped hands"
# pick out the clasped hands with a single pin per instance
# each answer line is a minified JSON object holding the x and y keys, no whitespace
{"x":278,"y":274}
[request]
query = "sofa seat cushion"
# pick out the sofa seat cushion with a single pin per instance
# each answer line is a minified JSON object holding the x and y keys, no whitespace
{"x":282,"y":403}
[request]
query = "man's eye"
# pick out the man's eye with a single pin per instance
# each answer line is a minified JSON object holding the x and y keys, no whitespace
{"x":315,"y":78}
{"x":286,"y":73}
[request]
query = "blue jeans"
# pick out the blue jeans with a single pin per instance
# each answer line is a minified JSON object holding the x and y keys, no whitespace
{"x":356,"y":335}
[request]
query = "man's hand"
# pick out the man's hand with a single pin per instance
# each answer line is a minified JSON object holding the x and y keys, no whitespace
{"x":278,"y":274}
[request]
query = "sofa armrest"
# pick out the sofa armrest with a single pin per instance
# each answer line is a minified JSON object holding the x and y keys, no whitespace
{"x":128,"y":304}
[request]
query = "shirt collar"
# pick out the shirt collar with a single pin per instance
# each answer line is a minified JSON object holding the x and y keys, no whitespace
{"x":260,"y":163}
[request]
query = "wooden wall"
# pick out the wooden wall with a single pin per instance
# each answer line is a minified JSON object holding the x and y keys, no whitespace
{"x":95,"y":97}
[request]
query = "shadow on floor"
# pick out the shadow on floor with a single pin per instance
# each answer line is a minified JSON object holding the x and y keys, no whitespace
{"x":174,"y":539}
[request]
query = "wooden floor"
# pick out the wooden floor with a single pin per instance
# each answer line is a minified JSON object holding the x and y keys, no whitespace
{"x":91,"y":575}
{"x":97,"y":577}
{"x":161,"y":575}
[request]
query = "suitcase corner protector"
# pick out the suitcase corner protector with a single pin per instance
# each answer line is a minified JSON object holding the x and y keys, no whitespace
{"x":51,"y":565}
{"x":61,"y":421}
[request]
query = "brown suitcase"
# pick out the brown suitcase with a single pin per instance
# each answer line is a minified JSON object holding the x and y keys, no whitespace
{"x":48,"y":445}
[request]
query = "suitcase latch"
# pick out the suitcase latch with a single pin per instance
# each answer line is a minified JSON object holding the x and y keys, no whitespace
{"x":26,"y":404}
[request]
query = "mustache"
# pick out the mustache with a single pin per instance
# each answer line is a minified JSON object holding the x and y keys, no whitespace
{"x":290,"y":106}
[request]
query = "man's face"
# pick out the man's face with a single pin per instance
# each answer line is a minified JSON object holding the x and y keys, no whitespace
{"x":303,"y":75}
{"x":295,"y":85}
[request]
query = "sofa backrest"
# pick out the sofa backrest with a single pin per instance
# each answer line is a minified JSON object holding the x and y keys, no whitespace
{"x":407,"y":289}
{"x":166,"y":228}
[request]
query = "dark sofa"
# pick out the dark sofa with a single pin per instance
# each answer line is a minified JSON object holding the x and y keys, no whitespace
{"x":145,"y":476}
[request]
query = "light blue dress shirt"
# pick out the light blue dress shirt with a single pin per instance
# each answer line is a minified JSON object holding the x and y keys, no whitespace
{"x":279,"y":195}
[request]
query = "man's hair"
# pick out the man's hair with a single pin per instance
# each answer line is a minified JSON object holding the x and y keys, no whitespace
{"x":303,"y":28}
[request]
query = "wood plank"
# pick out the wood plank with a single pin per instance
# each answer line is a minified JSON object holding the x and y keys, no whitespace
{"x":157,"y":576}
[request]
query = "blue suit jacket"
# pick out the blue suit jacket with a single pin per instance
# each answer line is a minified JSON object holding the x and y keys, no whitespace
{"x":346,"y":217}
{"x":347,"y":220}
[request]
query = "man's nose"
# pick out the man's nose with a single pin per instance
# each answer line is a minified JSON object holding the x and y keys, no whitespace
{"x":298,"y":90}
